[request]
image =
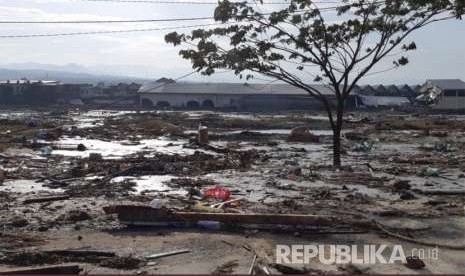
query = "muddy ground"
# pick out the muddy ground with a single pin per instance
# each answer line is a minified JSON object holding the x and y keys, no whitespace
{"x":402,"y":183}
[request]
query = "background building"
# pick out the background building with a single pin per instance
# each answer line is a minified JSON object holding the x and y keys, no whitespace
{"x":37,"y":92}
{"x":230,"y":96}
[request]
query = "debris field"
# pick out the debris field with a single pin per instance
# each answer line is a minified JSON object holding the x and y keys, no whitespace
{"x":151,"y":192}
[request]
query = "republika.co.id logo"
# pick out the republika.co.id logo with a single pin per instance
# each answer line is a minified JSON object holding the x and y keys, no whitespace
{"x":350,"y":254}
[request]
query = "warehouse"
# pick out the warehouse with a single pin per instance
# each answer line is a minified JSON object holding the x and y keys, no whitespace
{"x":234,"y":96}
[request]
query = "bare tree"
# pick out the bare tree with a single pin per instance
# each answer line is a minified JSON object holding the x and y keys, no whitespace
{"x":343,"y":42}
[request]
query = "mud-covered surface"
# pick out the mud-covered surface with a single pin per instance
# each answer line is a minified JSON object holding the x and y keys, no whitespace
{"x":404,"y":172}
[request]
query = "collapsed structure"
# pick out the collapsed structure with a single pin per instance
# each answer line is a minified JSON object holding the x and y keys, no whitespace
{"x":443,"y":94}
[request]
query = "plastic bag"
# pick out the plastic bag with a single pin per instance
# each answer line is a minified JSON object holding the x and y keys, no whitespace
{"x":218,"y":192}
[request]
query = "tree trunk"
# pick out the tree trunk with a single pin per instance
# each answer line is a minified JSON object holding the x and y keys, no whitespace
{"x":337,"y":136}
{"x":336,"y":147}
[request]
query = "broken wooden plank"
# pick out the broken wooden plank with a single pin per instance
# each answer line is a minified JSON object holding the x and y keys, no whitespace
{"x":137,"y":214}
{"x":251,"y":268}
{"x":46,"y":199}
{"x":58,"y":269}
{"x":81,"y":253}
{"x":165,"y":254}
{"x":440,"y":192}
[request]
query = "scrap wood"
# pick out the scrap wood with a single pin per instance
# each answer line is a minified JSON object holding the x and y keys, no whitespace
{"x":140,"y":214}
{"x":402,"y":237}
{"x":440,"y":192}
{"x":58,"y":269}
{"x":221,"y":204}
{"x":81,"y":253}
{"x":226,"y":268}
{"x":46,"y":199}
{"x":262,"y":269}
{"x":228,"y":243}
{"x":165,"y":254}
{"x":251,"y":269}
{"x":289,"y":269}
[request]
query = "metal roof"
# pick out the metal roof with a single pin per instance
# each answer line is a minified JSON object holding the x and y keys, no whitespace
{"x":228,"y":88}
{"x":388,"y":90}
{"x":448,"y":84}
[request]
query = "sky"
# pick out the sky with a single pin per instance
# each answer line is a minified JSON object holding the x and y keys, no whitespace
{"x":440,"y":54}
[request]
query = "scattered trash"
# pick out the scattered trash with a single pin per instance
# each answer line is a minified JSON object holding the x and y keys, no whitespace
{"x":2,"y":176}
{"x":166,"y":254}
{"x":226,"y":268}
{"x":81,"y":147}
{"x":405,"y":195}
{"x":302,"y":134}
{"x":365,"y":146}
{"x":45,"y":199}
{"x":46,"y":151}
{"x":244,"y":177}
{"x":203,"y":134}
{"x":429,"y":171}
{"x":19,"y":222}
{"x":125,"y":262}
{"x":158,"y":203}
{"x":58,"y":269}
{"x":400,"y":185}
{"x":413,"y":262}
{"x":218,"y":192}
{"x":74,"y":216}
{"x":95,"y":156}
{"x":41,"y":134}
{"x":290,"y":269}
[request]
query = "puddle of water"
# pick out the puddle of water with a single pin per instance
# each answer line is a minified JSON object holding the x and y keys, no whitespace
{"x":95,"y":118}
{"x":119,"y":149}
{"x":398,"y":147}
{"x":153,"y":183}
{"x":26,"y":186}
{"x":267,"y":131}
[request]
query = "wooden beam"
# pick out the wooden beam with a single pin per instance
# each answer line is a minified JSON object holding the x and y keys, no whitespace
{"x":134,"y":214}
{"x":59,"y":269}
{"x":45,"y":199}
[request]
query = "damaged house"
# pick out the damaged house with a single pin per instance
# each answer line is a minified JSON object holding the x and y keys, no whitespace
{"x":443,"y":94}
{"x":235,"y":96}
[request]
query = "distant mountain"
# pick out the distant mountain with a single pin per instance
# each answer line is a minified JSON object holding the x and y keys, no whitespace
{"x":75,"y":76}
{"x":126,"y":70}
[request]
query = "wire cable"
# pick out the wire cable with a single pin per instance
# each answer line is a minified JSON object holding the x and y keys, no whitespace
{"x":325,"y":9}
{"x":194,"y":2}
{"x":138,"y":20}
{"x":111,"y":32}
{"x":109,"y":21}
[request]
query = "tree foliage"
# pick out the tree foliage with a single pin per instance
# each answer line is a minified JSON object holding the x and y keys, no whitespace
{"x":342,"y":41}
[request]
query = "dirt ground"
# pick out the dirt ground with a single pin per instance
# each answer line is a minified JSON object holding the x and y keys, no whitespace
{"x":402,"y":183}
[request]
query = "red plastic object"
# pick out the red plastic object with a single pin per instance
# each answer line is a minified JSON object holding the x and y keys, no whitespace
{"x":218,"y":192}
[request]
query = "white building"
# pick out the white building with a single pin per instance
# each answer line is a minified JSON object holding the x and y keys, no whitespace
{"x":229,"y":95}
